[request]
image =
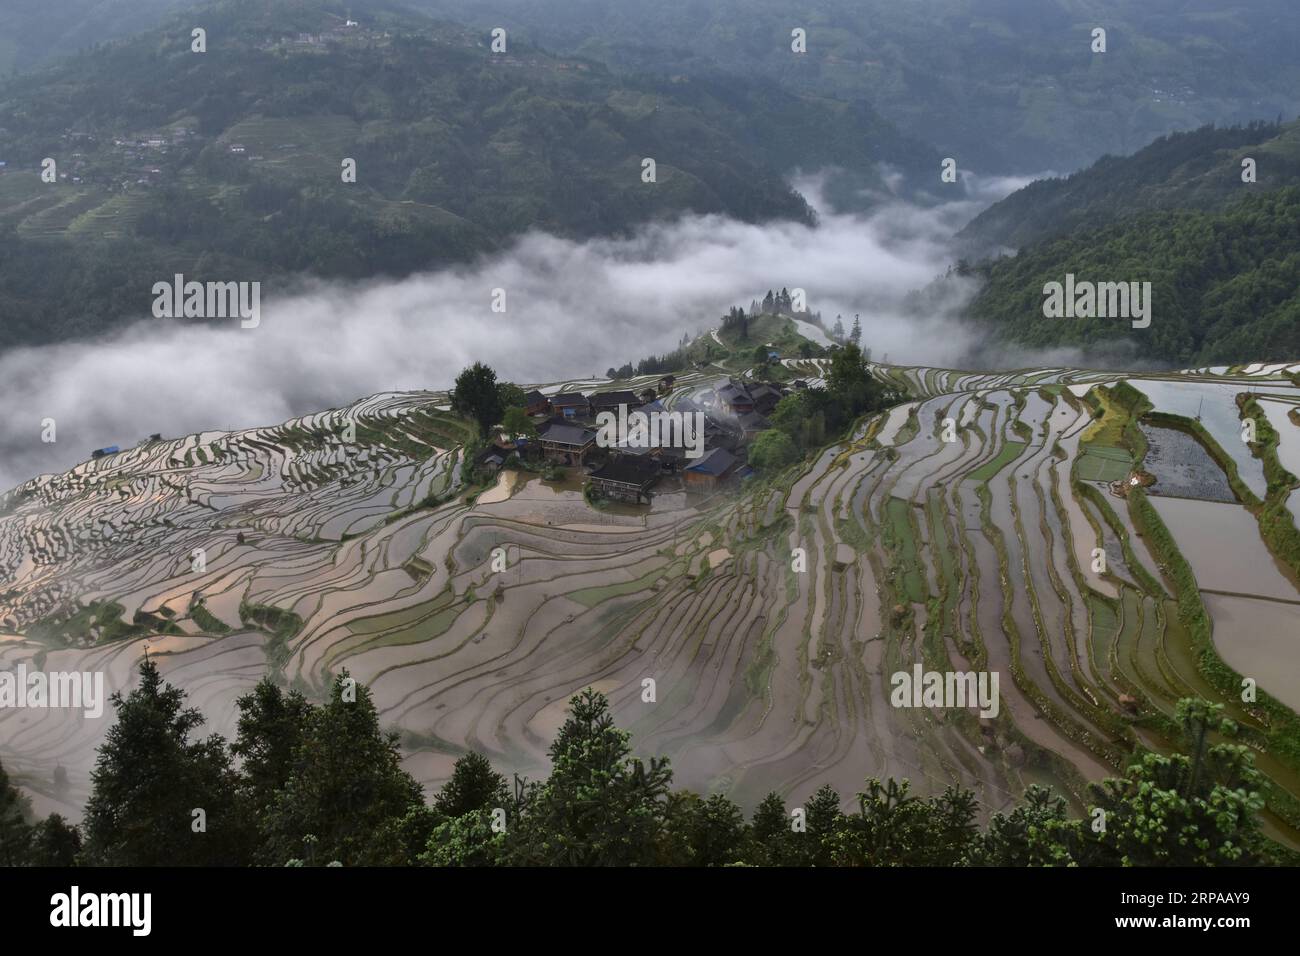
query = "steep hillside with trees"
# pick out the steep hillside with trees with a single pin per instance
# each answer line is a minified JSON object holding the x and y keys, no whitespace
{"x":228,"y":162}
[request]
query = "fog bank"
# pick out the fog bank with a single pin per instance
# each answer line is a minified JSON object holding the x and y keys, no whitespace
{"x":573,"y":309}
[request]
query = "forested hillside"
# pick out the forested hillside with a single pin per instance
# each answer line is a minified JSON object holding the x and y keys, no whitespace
{"x":1202,"y":169}
{"x":227,"y":163}
{"x":1225,"y":284}
{"x":33,"y":31}
{"x":1000,"y":85}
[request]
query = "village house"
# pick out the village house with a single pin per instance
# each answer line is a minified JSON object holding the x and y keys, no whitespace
{"x":491,"y":458}
{"x":765,"y":396}
{"x":706,"y":473}
{"x":566,"y":444}
{"x":571,"y":404}
{"x":624,"y":478}
{"x":535,"y":403}
{"x":739,"y":398}
{"x":734,"y":399}
{"x":751,"y":423}
{"x":610,"y":401}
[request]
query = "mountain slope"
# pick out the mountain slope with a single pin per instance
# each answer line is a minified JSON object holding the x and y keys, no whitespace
{"x":35,"y":31}
{"x":228,"y":163}
{"x":1225,"y":285}
{"x":1002,"y":85}
{"x":1193,"y":170}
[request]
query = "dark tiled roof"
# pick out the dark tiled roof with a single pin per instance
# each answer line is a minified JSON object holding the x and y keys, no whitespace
{"x":714,"y":462}
{"x":752,"y":421}
{"x":627,"y":471}
{"x":567,"y":434}
{"x":568,"y":398}
{"x":607,"y":399}
{"x":729,"y":393}
{"x":533,"y":397}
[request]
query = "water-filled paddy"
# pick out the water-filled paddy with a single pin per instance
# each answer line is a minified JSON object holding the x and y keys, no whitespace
{"x":1222,"y":544}
{"x":1259,"y":639}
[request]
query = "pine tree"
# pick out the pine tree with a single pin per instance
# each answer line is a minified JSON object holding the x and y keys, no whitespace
{"x":272,"y":725}
{"x":600,"y":806}
{"x":771,"y":833}
{"x":15,"y":832}
{"x":473,"y":786}
{"x":711,"y":831}
{"x":150,"y":779}
{"x":823,"y":819}
{"x":1195,"y":809}
{"x":55,"y":842}
{"x":347,"y":784}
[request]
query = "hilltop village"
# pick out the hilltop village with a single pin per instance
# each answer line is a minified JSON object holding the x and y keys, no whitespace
{"x":566,"y":435}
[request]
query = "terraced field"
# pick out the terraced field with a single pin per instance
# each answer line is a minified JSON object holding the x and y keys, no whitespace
{"x":327,"y":550}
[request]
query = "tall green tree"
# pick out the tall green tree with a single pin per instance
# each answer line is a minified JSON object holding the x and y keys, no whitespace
{"x":159,"y":798}
{"x":770,"y":833}
{"x":55,"y":842}
{"x":474,"y":785}
{"x":346,"y":785}
{"x":272,"y":725}
{"x":1037,"y":832}
{"x":600,"y":806}
{"x":823,"y":818}
{"x":710,"y":831}
{"x":1195,"y":809}
{"x":15,"y":831}
{"x":476,"y":396}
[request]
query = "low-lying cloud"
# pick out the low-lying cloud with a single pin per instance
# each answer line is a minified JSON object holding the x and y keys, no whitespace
{"x":573,"y":309}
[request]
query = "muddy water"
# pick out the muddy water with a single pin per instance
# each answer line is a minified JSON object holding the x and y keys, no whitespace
{"x":1259,"y":639}
{"x":1288,"y":445}
{"x":1222,"y":544}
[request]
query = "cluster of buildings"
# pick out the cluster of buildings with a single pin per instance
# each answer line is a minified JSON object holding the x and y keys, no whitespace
{"x":568,"y":432}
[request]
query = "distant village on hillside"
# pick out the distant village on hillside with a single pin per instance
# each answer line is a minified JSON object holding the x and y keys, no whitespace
{"x":733,"y":411}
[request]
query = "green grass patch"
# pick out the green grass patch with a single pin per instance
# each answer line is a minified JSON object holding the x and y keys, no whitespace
{"x":590,"y":597}
{"x":1104,"y":463}
{"x":205,"y":619}
{"x":1010,"y":451}
{"x":902,"y":539}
